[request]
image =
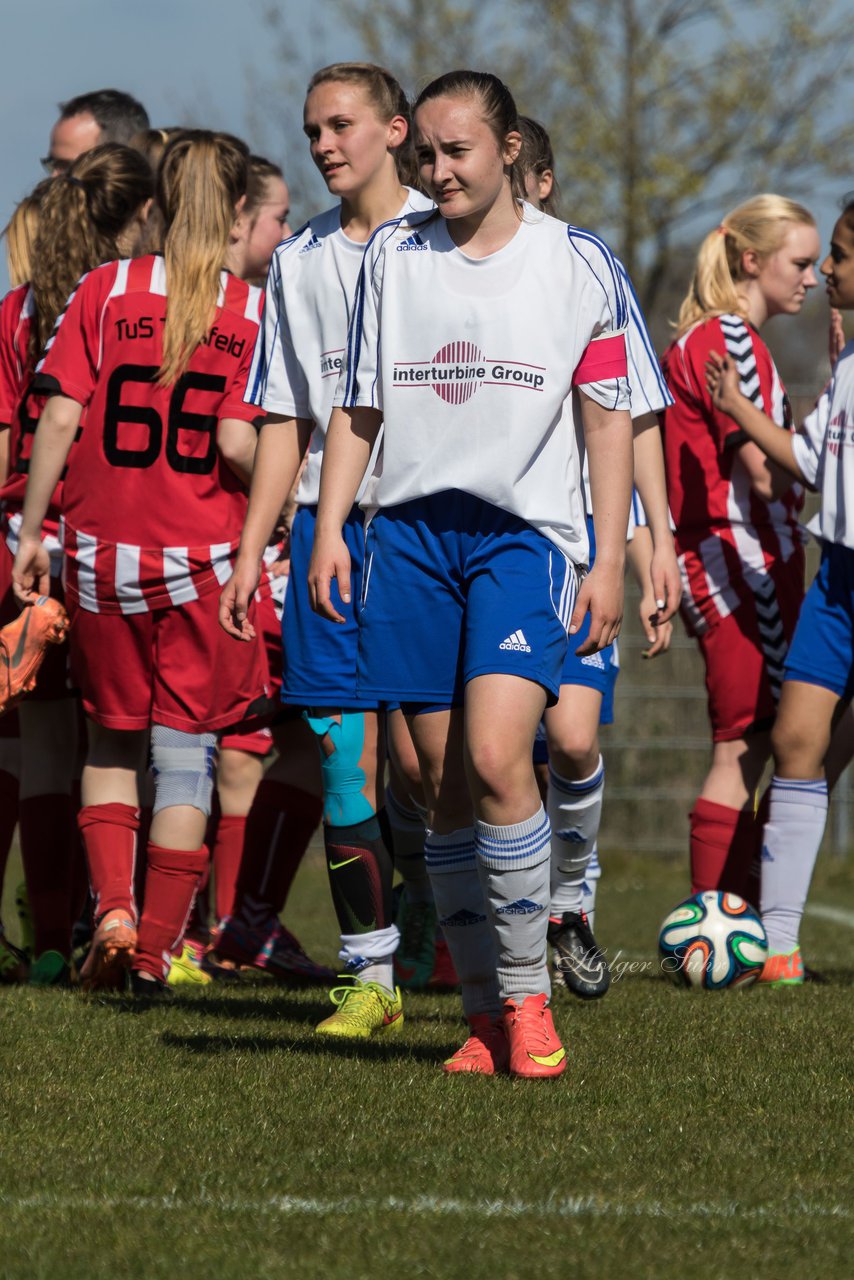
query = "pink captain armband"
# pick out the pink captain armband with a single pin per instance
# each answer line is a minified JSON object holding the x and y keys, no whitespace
{"x":604,"y":358}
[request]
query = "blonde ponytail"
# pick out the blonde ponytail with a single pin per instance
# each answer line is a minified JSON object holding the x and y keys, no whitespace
{"x":761,"y":224}
{"x":201,"y":179}
{"x":21,"y":233}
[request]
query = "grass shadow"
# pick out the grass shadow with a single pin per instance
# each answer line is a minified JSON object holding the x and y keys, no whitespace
{"x":371,"y":1050}
{"x":246,"y":1009}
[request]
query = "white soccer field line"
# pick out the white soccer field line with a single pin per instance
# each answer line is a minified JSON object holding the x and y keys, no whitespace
{"x":431,"y":1206}
{"x":836,"y":915}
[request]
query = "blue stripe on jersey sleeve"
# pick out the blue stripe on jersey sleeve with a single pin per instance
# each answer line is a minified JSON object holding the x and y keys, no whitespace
{"x":643,"y":333}
{"x":354,"y":337}
{"x":259,"y":370}
{"x":578,"y":237}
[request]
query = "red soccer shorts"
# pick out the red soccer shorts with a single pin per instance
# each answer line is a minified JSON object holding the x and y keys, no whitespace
{"x":251,"y":736}
{"x":745,"y":652}
{"x":175,"y":667}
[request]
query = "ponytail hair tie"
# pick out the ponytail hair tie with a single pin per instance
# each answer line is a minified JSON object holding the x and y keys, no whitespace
{"x":74,"y":182}
{"x":723,"y":231}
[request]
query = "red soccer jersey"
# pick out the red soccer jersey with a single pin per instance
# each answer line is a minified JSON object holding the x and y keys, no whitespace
{"x":152,"y":512}
{"x":724,"y":531}
{"x":20,"y":409}
{"x":16,"y":315}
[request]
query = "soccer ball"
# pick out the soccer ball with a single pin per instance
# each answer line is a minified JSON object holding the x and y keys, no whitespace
{"x":713,"y":940}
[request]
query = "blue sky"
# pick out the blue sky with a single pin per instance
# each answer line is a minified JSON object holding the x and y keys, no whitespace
{"x":201,"y":58}
{"x":189,"y":61}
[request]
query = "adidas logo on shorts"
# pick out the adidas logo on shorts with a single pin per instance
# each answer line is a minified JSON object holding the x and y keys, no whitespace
{"x":517,"y":642}
{"x":594,"y":660}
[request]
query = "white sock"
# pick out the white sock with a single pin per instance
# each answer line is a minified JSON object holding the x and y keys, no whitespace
{"x":575,"y":811}
{"x":513,"y":863}
{"x":408,"y":835}
{"x":589,"y":885}
{"x":370,"y":956}
{"x":462,"y":914}
{"x":797,"y":813}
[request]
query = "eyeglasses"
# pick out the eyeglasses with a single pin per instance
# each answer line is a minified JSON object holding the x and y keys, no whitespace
{"x":51,"y":165}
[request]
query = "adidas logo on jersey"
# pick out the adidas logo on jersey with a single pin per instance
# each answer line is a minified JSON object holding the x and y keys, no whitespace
{"x":517,"y":642}
{"x":594,"y":660}
{"x":412,"y":242}
{"x":313,"y":243}
{"x":521,"y":907}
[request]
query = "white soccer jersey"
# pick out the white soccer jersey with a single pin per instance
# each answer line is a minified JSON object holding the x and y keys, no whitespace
{"x":824,"y":451}
{"x":647,"y":384}
{"x":300,"y":347}
{"x":473,"y":361}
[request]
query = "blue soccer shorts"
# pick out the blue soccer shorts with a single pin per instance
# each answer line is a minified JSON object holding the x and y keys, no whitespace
{"x":319,"y":661}
{"x":456,"y":588}
{"x":822,"y":648}
{"x":597,"y":670}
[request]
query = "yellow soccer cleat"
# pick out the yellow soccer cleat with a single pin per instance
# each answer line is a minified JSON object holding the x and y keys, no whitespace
{"x":186,"y":968}
{"x":365,"y":1009}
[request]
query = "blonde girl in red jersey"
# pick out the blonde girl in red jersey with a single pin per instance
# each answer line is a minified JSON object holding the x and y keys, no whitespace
{"x":157,"y":351}
{"x":736,"y":514}
{"x":90,"y":215}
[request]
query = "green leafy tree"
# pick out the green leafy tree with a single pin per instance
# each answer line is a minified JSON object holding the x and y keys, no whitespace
{"x":662,"y":112}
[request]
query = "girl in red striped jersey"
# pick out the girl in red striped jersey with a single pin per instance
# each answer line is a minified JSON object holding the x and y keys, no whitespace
{"x":735,"y":512}
{"x":88,"y":216}
{"x":156,"y":350}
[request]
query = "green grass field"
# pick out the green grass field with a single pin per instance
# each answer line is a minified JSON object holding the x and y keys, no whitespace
{"x":217,"y":1138}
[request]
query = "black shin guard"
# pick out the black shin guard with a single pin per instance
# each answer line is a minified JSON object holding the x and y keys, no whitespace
{"x":360,"y":875}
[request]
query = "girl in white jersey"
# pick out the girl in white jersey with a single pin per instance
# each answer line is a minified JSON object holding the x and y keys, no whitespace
{"x":267,"y":815}
{"x":357,"y":122}
{"x":470,"y":327}
{"x":819,"y":673}
{"x":567,"y":751}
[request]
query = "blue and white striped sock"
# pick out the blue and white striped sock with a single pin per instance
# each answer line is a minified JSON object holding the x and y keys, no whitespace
{"x":513,"y":863}
{"x":797,"y":813}
{"x":589,"y":886}
{"x":460,"y":905}
{"x":575,"y":812}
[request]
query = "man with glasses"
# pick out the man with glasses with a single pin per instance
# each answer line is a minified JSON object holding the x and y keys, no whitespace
{"x":107,"y":115}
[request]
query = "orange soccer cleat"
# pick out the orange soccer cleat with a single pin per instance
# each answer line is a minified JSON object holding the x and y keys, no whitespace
{"x":535,"y":1050}
{"x":23,"y":644}
{"x":113,"y":948}
{"x":485,"y":1052}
